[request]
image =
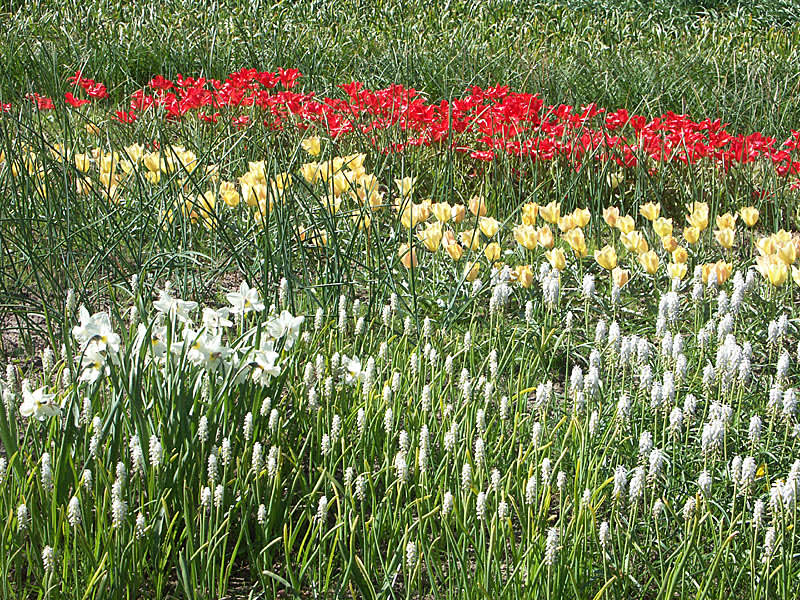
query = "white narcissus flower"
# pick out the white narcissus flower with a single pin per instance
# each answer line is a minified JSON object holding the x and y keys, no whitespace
{"x":96,"y":329}
{"x":202,"y":349}
{"x":38,"y":404}
{"x":213,"y":320}
{"x":93,"y":364}
{"x":153,"y":338}
{"x":216,"y":352}
{"x":175,"y":307}
{"x":285,"y":324}
{"x":245,"y":300}
{"x":264,"y":365}
{"x":353,"y":372}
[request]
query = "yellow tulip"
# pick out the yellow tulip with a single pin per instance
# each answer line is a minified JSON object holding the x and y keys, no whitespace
{"x":767,"y":245}
{"x":620,"y":277}
{"x":176,"y":156}
{"x":557,"y":258}
{"x":127,"y":168}
{"x":669,"y":243}
{"x":663,"y":227}
{"x":471,"y":271}
{"x":525,"y":276}
{"x":777,"y":272}
{"x":726,"y":221}
{"x":355,"y":175}
{"x":782,"y":236}
{"x":470,"y":238}
{"x":362,"y":222}
{"x":698,"y":219}
{"x":187,"y":158}
{"x":614,"y":180}
{"x":82,"y":162}
{"x":458,"y":213}
{"x":762,"y":263}
{"x":567,"y":223}
{"x":551,"y":212}
{"x":228,"y":194}
{"x":691,"y":234}
{"x":249,"y":179}
{"x":108,"y":162}
{"x":257,"y":170}
{"x":414,"y":214}
{"x":576,"y":241}
{"x":680,"y":255}
{"x":725,"y":237}
{"x":337,"y":185}
{"x":109,"y":180}
{"x":152,"y":162}
{"x":408,"y":256}
{"x":699,"y":210}
{"x":451,"y":246}
{"x":335,"y":165}
{"x":253,"y":194}
{"x":525,"y":236}
{"x":431,"y":236}
{"x":442,"y":211}
{"x":650,"y":210}
{"x":706,"y":271}
{"x":649,"y":260}
{"x":83,"y":187}
{"x":634,"y":242}
{"x":529,"y":213}
{"x":626,"y":224}
{"x":355,"y":161}
{"x":331,"y":202}
{"x":477,"y":206}
{"x":326,"y":169}
{"x":366,"y":191}
{"x":677,"y":270}
{"x":405,"y":186}
{"x":749,"y":215}
{"x":489,"y":226}
{"x":581,"y":216}
{"x":787,"y":252}
{"x":721,"y":269}
{"x":606,"y":258}
{"x":492,"y":251}
{"x":311,"y":145}
{"x":796,"y":275}
{"x":610,"y":216}
{"x":112,"y":192}
{"x":544,"y":237}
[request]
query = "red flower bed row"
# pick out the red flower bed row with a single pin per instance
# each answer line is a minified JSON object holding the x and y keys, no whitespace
{"x":482,"y":122}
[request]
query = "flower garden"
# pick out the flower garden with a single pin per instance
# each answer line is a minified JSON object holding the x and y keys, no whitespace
{"x":265,"y":337}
